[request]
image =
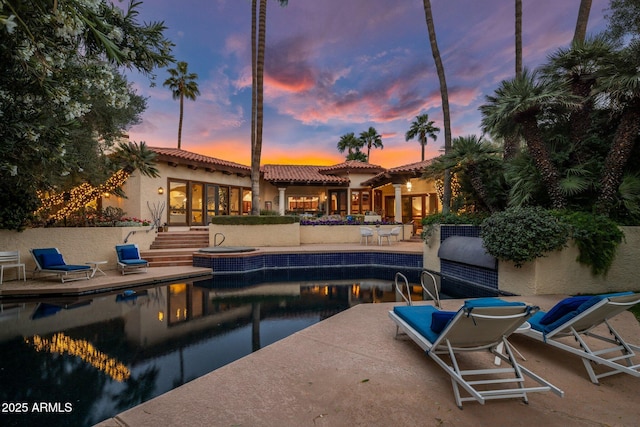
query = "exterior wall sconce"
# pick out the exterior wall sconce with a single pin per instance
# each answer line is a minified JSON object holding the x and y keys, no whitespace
{"x":408,"y":185}
{"x":106,"y":195}
{"x":160,"y":190}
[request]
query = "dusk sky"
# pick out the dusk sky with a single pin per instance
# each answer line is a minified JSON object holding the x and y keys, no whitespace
{"x":339,"y":66}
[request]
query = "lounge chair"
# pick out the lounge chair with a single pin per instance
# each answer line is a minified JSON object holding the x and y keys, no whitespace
{"x":129,"y":260}
{"x":50,"y":261}
{"x":576,"y":317}
{"x":480,"y":325}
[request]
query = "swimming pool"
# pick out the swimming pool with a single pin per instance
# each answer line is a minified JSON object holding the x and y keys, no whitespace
{"x":89,"y":358}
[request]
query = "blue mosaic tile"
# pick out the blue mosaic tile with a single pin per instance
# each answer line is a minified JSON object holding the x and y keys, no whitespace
{"x":458,"y":230}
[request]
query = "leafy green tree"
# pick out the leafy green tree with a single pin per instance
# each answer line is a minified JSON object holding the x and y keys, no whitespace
{"x":182,"y":85}
{"x":422,"y":128}
{"x":127,"y":158}
{"x":370,"y":138}
{"x":60,"y":76}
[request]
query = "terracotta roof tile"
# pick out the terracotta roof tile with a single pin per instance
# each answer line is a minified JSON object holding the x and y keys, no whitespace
{"x":300,"y":174}
{"x":351,"y":165}
{"x":194,"y":159}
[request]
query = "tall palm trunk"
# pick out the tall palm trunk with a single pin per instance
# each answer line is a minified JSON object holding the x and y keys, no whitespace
{"x":583,"y":19}
{"x":446,"y":117}
{"x":254,"y":47}
{"x":511,"y":141}
{"x":619,"y":153}
{"x":543,"y":162}
{"x":256,"y":148}
{"x":518,"y":38}
{"x":180,"y":120}
{"x":478,"y":185}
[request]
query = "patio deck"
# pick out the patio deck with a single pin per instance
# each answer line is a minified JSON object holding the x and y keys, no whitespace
{"x":349,"y":370}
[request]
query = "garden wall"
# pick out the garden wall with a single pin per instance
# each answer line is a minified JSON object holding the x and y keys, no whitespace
{"x":77,"y":245}
{"x":559,"y":272}
{"x":257,"y":235}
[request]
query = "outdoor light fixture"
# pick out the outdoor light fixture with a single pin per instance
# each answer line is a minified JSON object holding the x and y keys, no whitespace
{"x":106,"y":195}
{"x":408,"y":185}
{"x":160,"y":190}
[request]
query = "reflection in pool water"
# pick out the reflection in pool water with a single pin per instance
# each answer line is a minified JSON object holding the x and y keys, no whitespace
{"x":90,"y":358}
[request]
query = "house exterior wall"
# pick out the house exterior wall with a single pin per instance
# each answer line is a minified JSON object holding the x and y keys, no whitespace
{"x":140,"y":190}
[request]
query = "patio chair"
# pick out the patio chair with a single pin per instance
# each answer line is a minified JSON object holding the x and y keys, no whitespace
{"x":480,"y":325}
{"x":51,"y":261}
{"x":395,"y":232}
{"x":11,"y":259}
{"x":576,"y":318}
{"x":384,"y":233}
{"x":365,"y":233}
{"x":129,"y":260}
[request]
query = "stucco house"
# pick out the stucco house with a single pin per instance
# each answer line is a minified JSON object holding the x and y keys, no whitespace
{"x":193,"y":188}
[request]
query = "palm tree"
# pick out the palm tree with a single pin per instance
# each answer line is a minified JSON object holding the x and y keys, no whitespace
{"x":446,"y":197}
{"x":522,"y":100}
{"x":349,"y":142}
{"x":621,"y":84}
{"x":257,"y":96}
{"x":583,"y":19}
{"x":472,"y":156}
{"x":422,"y":128}
{"x":580,"y":67}
{"x":371,"y":138}
{"x":183,"y":85}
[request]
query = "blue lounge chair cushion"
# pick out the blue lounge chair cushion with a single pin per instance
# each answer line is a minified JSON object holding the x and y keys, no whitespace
{"x":129,"y":253}
{"x":133,"y":261}
{"x":587,"y":302}
{"x":440,"y":319}
{"x":48,"y":260}
{"x":419,"y":317}
{"x":567,"y":305}
{"x":68,"y":267}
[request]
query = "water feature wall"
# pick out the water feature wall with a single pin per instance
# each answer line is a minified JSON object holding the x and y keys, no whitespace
{"x":466,"y":269}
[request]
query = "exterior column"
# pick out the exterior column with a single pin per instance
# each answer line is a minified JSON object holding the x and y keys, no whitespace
{"x":281,"y":200}
{"x":398,"y":202}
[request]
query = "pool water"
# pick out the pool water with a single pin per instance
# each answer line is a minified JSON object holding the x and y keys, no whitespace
{"x":78,"y":361}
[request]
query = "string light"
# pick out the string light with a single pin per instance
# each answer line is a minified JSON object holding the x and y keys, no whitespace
{"x":80,"y":196}
{"x":60,"y":343}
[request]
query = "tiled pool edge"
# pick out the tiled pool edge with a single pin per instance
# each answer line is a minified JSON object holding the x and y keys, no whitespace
{"x":257,"y":261}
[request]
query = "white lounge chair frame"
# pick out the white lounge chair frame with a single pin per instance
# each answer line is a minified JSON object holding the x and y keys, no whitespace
{"x":482,"y":328}
{"x":582,"y":325}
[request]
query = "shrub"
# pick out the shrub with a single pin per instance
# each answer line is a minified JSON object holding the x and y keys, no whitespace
{"x":523,"y":234}
{"x":596,"y":236}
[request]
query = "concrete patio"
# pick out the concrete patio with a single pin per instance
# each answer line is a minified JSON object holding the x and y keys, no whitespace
{"x":350,"y":371}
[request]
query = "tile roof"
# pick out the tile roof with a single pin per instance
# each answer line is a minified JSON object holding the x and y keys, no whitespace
{"x":174,"y":155}
{"x":300,"y":174}
{"x":352,"y":165}
{"x":412,"y":169}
